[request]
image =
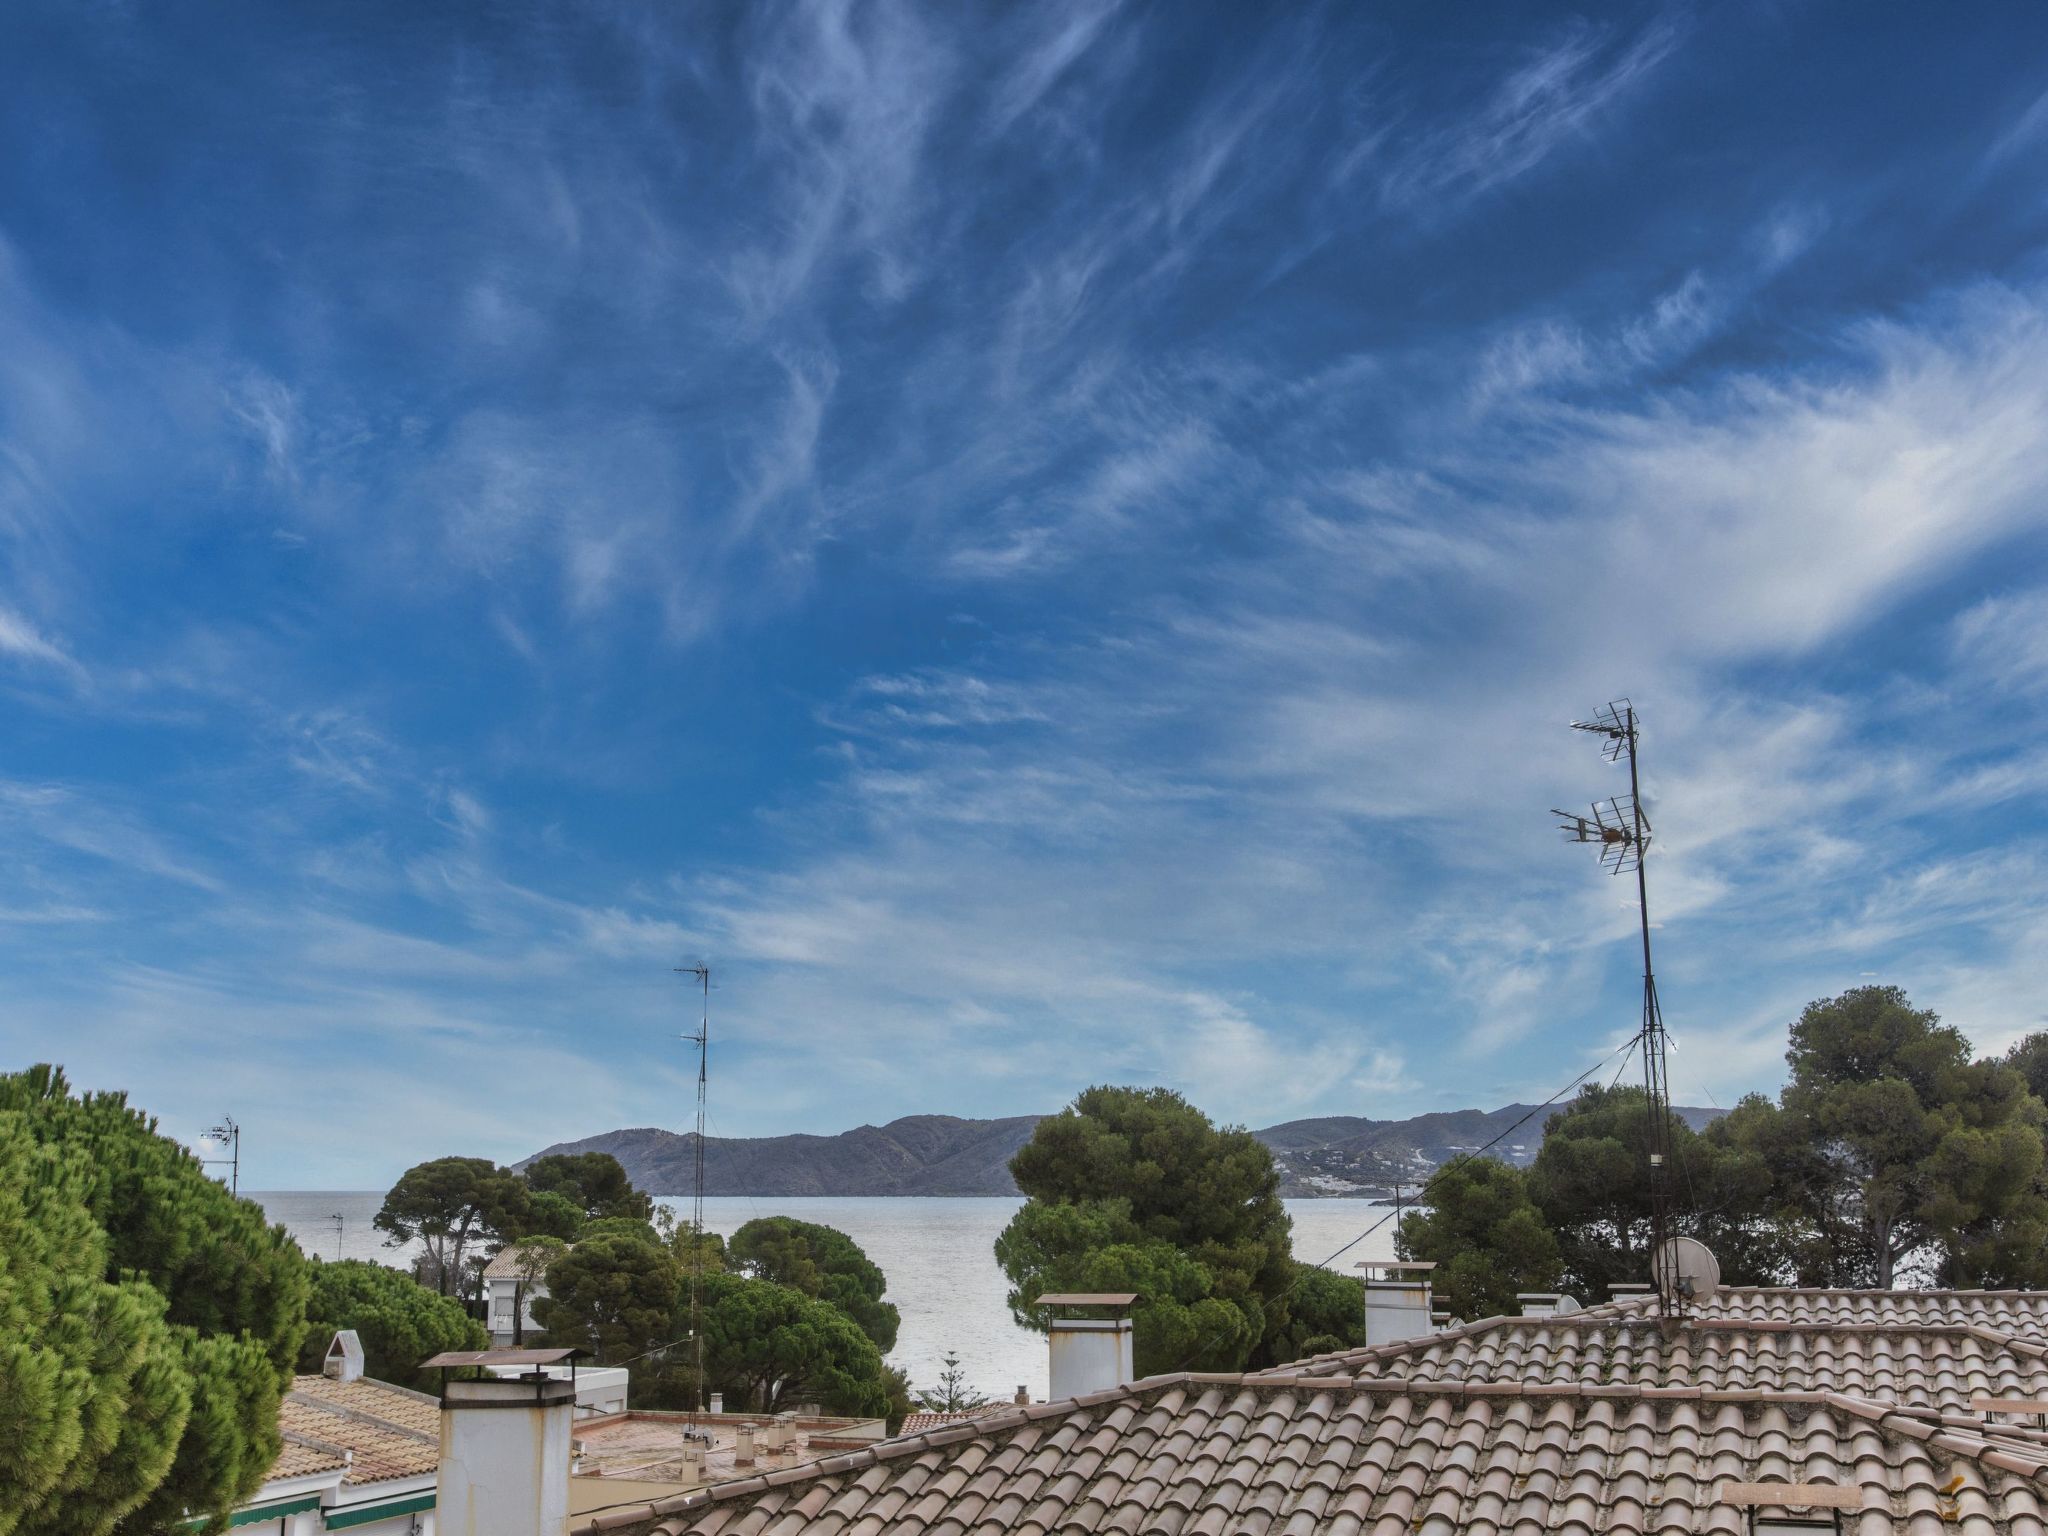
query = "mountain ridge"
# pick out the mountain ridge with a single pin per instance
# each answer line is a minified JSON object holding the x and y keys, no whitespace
{"x":949,"y":1155}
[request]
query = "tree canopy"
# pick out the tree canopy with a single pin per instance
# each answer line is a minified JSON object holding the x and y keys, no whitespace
{"x":952,"y":1393}
{"x":769,"y":1346}
{"x":820,"y":1261}
{"x":550,"y":1214}
{"x":456,"y":1208}
{"x":192,"y":1331}
{"x":1591,"y":1181}
{"x":1483,"y":1232}
{"x":1134,"y":1189}
{"x":1890,"y":1142}
{"x":613,"y":1294}
{"x":93,"y":1394}
{"x":594,"y":1182}
{"x":399,"y":1321}
{"x":1325,"y":1313}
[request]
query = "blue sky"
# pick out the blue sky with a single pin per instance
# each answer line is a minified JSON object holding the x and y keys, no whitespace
{"x":1047,"y":543}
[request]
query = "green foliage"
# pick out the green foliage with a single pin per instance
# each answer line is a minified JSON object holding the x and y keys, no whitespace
{"x":1135,"y":1189}
{"x":549,"y":1214}
{"x":1482,"y":1230}
{"x":952,"y":1394}
{"x":1325,"y":1314}
{"x":594,"y":1182}
{"x":613,"y":1294}
{"x":2029,"y":1058}
{"x":399,"y":1321}
{"x":93,"y":1393}
{"x":219,"y":1298}
{"x":896,"y":1383}
{"x":691,"y":1247}
{"x":456,"y":1208}
{"x":1591,"y":1180}
{"x":768,"y":1346}
{"x":819,"y":1261}
{"x":1890,"y":1143}
{"x":622,"y":1226}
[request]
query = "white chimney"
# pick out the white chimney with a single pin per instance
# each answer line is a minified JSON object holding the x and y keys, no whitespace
{"x":1089,"y":1354}
{"x":1397,"y":1301}
{"x":505,"y":1456}
{"x":1537,"y":1303}
{"x":743,"y":1446}
{"x":718,"y":1402}
{"x":344,"y":1360}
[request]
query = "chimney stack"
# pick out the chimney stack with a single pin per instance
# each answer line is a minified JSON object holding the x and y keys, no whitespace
{"x":718,"y":1402}
{"x":743,"y":1446}
{"x":1089,"y":1354}
{"x":505,"y":1446}
{"x":1397,"y":1301}
{"x":1023,"y":1397}
{"x":344,"y":1360}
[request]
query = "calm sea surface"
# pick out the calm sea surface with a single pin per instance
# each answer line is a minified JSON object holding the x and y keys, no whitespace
{"x":938,"y":1254}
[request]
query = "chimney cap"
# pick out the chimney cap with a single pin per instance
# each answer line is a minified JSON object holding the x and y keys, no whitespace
{"x":449,"y":1360}
{"x":1416,"y":1265}
{"x":1087,"y":1298}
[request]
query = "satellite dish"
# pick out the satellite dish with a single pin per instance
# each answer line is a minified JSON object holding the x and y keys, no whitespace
{"x":1566,"y":1305}
{"x":1685,"y":1270}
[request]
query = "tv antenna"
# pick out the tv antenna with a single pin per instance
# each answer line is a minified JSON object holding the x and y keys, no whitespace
{"x":337,"y":1219}
{"x":229,"y":1135}
{"x":1620,"y":832}
{"x":702,"y":1040}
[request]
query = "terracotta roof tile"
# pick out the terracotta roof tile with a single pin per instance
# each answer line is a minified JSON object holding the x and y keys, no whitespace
{"x":388,"y":1431}
{"x":1409,"y":1456}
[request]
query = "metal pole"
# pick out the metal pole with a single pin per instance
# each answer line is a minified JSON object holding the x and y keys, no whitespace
{"x":1656,"y":1083}
{"x":703,"y":1043}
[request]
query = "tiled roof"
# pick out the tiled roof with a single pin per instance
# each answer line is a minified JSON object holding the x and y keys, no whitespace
{"x":925,"y":1419}
{"x":1287,"y":1456}
{"x":388,"y":1431}
{"x":2023,"y":1312}
{"x":297,"y":1460}
{"x":1939,"y":1367}
{"x":504,"y":1263}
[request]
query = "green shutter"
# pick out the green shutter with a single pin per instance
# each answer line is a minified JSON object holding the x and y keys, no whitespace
{"x":363,"y":1514}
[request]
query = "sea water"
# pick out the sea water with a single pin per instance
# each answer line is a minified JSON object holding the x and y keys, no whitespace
{"x":938,"y":1254}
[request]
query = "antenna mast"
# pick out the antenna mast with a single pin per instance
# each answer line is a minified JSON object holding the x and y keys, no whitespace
{"x":228,"y":1134}
{"x":702,"y":1040}
{"x":1621,"y":832}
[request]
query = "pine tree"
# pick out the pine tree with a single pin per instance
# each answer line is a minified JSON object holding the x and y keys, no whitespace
{"x":952,"y":1394}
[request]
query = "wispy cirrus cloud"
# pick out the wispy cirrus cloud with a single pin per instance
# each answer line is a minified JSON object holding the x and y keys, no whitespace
{"x":1054,"y":546}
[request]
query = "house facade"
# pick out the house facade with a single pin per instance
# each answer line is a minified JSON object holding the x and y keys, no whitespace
{"x":509,"y":1298}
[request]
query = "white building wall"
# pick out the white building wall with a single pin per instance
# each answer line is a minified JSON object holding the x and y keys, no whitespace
{"x":500,"y":1293}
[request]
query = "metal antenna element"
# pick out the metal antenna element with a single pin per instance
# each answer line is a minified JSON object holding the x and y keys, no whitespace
{"x":1621,"y":832}
{"x":336,"y":1218}
{"x":702,"y":1040}
{"x":231,"y":1134}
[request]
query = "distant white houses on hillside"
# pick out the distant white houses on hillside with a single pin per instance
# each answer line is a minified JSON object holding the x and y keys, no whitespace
{"x":508,"y":1295}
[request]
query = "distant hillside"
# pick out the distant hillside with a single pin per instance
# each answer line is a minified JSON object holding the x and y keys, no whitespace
{"x":917,"y":1155}
{"x":1344,"y":1155}
{"x":946,"y":1155}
